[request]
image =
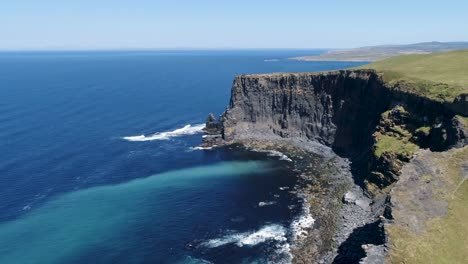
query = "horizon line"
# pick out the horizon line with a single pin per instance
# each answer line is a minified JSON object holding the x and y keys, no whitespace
{"x":151,"y":49}
{"x":79,"y":49}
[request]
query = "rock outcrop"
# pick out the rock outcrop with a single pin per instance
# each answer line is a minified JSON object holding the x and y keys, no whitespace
{"x":352,"y":111}
{"x":212,"y":125}
{"x":377,"y":126}
{"x":429,"y":209}
{"x":331,"y":108}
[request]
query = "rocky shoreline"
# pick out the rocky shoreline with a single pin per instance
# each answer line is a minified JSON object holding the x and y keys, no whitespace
{"x":344,"y":217}
{"x":362,"y":129}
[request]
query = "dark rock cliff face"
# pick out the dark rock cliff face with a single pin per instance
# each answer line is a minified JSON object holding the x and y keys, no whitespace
{"x":460,"y":105}
{"x":341,"y":109}
{"x":337,"y":109}
{"x":376,"y":126}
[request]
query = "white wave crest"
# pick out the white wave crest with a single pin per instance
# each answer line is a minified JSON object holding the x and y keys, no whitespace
{"x":284,"y":252}
{"x":261,"y":204}
{"x":186,"y":130}
{"x":301,"y":224}
{"x":271,"y":232}
{"x":202,"y":148}
{"x":274,"y":153}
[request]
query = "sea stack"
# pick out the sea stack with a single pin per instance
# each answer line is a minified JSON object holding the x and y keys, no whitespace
{"x":213,"y":130}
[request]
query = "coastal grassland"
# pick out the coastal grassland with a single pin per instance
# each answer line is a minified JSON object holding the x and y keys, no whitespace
{"x":462,"y":119}
{"x":387,"y":143}
{"x":392,"y":136}
{"x":439,"y":76}
{"x":443,"y":239}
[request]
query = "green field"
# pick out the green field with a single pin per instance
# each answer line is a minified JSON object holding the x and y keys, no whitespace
{"x":444,"y":239}
{"x":440,"y":76}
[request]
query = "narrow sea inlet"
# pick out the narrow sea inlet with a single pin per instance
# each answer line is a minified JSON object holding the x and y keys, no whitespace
{"x":99,"y":163}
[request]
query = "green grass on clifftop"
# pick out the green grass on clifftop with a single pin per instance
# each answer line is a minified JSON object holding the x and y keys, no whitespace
{"x":444,"y":239}
{"x":463,"y":120}
{"x":440,"y":76}
{"x":395,"y":145}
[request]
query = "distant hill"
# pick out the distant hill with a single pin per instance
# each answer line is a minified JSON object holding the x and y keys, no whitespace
{"x":376,"y":53}
{"x":440,"y":75}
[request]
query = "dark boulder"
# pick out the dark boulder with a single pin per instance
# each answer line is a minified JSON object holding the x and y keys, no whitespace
{"x":212,"y":125}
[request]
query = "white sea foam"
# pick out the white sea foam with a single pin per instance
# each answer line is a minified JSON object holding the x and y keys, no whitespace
{"x":269,"y":233}
{"x":302,"y":223}
{"x":273,"y":232}
{"x":284,"y":252}
{"x":274,"y":153}
{"x":202,"y":148}
{"x":261,"y":204}
{"x":186,"y":130}
{"x":282,"y":156}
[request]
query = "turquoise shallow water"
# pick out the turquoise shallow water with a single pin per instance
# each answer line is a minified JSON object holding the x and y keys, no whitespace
{"x":75,"y":187}
{"x":70,"y":225}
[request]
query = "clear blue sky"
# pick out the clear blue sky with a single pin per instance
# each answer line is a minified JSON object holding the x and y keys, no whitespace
{"x":115,"y":24}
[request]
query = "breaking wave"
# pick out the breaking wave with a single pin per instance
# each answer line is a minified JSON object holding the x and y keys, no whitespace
{"x":261,"y":204}
{"x":274,"y":153}
{"x":186,"y":130}
{"x":271,"y":232}
{"x":202,"y":148}
{"x":302,"y":224}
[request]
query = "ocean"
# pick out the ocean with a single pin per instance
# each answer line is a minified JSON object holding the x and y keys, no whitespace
{"x":98,"y":160}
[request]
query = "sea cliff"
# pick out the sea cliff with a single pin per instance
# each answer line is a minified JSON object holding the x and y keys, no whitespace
{"x":376,"y":125}
{"x":352,"y":111}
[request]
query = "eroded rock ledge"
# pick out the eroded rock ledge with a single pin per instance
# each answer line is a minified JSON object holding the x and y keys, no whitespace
{"x":353,"y":112}
{"x":376,"y":126}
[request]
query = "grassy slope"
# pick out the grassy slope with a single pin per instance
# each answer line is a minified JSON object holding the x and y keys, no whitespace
{"x":393,"y":144}
{"x":440,"y":76}
{"x":445,"y":239}
{"x":376,"y":53}
{"x":463,"y":120}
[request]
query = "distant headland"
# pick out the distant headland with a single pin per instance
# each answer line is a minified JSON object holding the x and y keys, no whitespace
{"x":377,"y":53}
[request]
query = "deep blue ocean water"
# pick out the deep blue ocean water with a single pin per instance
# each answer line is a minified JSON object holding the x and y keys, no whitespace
{"x":73,"y":189}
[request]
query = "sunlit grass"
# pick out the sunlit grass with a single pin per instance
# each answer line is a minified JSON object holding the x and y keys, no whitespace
{"x":445,"y":239}
{"x":440,"y":76}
